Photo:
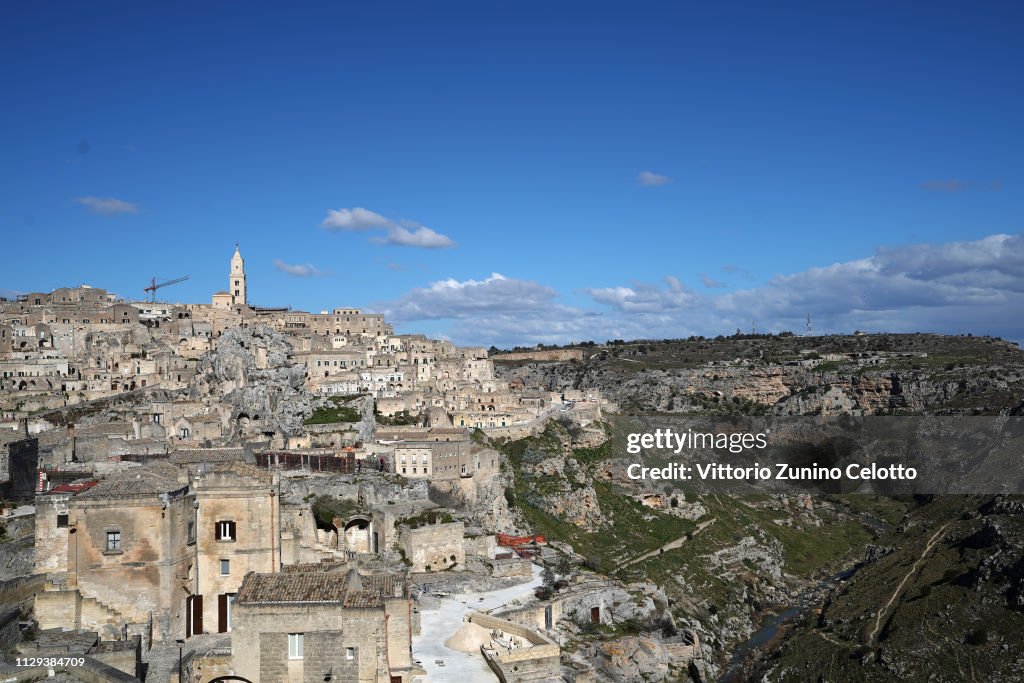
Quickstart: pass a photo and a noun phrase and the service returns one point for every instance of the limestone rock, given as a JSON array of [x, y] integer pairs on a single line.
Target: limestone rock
[[634, 658], [251, 370]]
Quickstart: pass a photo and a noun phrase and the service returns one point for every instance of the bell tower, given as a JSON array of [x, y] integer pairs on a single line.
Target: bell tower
[[237, 281]]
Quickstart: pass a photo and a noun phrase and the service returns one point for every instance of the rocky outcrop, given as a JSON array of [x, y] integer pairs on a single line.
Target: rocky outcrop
[[635, 658], [252, 372], [869, 383]]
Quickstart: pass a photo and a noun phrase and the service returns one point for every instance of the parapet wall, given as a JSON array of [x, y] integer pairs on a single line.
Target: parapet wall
[[542, 646]]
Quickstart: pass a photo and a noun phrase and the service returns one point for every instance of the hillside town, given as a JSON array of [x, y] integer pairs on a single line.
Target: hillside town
[[228, 492], [223, 491]]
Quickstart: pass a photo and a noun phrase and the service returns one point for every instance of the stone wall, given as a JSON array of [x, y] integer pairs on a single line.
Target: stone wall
[[513, 567], [539, 662], [249, 503], [482, 546], [130, 585], [9, 632], [434, 546], [51, 539], [260, 641], [20, 589]]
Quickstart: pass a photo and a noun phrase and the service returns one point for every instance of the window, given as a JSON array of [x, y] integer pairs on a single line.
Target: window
[[191, 532], [113, 541], [350, 653], [295, 646], [62, 521], [224, 531], [225, 567]]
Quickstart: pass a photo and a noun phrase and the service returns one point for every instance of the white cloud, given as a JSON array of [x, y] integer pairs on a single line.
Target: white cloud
[[646, 298], [650, 179], [412, 235], [951, 288], [298, 269], [107, 206], [354, 219], [954, 287], [403, 233], [454, 299]]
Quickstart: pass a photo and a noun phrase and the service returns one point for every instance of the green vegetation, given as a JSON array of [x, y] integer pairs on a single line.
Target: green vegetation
[[426, 519], [332, 414], [400, 419], [957, 577], [326, 508], [807, 549]]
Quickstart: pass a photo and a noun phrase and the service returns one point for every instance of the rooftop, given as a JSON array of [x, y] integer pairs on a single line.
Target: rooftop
[[189, 456], [131, 485], [352, 589], [291, 588]]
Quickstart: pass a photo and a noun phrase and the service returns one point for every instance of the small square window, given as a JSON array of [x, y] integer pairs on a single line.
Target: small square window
[[350, 653], [225, 567], [224, 531], [113, 541], [62, 521]]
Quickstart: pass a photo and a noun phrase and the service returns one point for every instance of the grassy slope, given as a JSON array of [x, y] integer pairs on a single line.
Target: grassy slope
[[943, 622], [685, 573]]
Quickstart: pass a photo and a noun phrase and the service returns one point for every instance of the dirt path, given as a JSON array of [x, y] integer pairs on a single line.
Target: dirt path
[[671, 545], [885, 608]]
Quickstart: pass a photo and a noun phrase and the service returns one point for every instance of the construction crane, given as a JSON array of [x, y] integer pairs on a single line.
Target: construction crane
[[154, 285]]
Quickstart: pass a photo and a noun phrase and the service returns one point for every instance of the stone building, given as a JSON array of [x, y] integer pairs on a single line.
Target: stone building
[[237, 531], [147, 549], [117, 553], [308, 627]]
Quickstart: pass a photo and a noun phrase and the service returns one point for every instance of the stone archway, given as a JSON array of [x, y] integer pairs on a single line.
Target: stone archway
[[357, 534]]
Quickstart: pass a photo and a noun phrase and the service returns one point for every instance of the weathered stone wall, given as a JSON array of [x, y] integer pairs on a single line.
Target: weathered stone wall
[[51, 540], [539, 662], [253, 507], [9, 632], [482, 546], [137, 581], [260, 641], [20, 589], [434, 546], [511, 567], [324, 652]]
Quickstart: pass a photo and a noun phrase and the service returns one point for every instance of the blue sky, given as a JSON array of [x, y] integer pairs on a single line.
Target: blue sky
[[627, 169]]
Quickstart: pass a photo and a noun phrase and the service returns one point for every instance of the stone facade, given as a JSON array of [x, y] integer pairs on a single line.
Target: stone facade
[[434, 547], [237, 531], [356, 628]]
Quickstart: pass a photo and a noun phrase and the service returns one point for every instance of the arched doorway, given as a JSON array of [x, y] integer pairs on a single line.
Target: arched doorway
[[358, 535]]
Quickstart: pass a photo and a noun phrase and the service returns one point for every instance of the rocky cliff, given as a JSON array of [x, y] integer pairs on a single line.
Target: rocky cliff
[[798, 376], [251, 371]]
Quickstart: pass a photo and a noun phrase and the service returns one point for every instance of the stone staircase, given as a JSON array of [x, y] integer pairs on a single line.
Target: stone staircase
[[103, 610]]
